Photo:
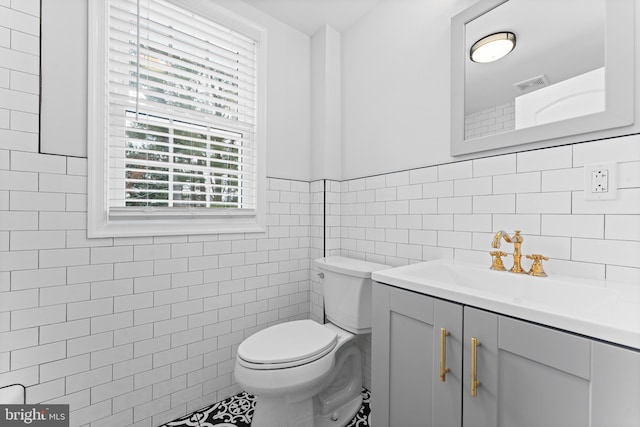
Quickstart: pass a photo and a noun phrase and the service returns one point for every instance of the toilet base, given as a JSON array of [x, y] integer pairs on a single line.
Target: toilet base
[[276, 412], [271, 412], [345, 414], [340, 397]]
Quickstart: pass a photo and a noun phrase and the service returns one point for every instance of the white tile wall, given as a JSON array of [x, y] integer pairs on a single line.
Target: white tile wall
[[490, 121], [455, 208], [109, 320], [133, 330], [539, 192]]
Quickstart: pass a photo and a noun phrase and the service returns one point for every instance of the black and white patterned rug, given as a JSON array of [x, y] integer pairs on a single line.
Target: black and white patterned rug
[[237, 411]]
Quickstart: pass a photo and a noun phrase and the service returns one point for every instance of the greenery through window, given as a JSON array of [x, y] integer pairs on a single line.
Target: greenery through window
[[169, 166], [177, 142]]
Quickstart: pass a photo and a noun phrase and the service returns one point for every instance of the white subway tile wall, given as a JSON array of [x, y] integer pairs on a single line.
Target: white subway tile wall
[[490, 121], [539, 192], [148, 325], [128, 331], [139, 331]]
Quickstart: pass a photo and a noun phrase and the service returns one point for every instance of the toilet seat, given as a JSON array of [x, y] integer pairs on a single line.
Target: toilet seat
[[287, 345]]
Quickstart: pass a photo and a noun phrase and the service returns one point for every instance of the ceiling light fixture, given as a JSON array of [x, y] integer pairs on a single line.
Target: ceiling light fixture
[[493, 47]]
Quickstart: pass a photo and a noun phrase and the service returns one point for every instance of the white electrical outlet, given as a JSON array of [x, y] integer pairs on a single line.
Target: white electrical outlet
[[600, 181]]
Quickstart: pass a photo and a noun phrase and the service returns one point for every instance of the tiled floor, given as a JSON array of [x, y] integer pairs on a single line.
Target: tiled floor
[[237, 411]]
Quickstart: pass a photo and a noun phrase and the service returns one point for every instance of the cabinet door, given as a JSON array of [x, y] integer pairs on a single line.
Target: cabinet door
[[615, 390], [406, 386], [530, 375]]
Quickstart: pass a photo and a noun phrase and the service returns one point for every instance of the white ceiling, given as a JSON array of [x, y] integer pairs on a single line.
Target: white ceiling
[[309, 16]]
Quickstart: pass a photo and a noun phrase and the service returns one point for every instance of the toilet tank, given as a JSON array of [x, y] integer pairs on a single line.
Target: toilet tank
[[347, 291]]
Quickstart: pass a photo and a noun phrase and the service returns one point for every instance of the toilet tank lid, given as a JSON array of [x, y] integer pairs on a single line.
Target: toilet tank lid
[[349, 266]]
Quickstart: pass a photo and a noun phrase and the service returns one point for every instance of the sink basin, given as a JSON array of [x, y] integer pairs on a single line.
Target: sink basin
[[605, 310], [563, 295]]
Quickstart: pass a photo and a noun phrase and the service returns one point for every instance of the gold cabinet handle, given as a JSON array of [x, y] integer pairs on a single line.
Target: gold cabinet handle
[[474, 367], [443, 354]]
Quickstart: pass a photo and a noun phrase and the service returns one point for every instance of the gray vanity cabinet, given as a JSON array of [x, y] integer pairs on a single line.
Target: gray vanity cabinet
[[615, 390], [406, 347], [528, 375], [532, 375]]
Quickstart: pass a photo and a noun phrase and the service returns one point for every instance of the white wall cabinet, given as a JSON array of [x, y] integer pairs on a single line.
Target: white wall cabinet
[[529, 375]]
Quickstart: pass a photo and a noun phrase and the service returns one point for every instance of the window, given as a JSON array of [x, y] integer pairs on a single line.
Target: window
[[176, 134]]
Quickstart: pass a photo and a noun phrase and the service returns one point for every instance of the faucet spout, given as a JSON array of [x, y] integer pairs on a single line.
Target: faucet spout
[[517, 240], [497, 238]]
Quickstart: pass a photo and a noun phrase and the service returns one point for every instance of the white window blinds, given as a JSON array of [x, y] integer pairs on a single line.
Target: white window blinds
[[181, 111]]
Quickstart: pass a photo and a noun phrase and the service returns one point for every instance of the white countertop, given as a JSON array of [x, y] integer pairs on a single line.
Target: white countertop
[[604, 310]]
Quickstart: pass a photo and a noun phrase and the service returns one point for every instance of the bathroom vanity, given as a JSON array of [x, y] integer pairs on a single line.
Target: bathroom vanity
[[540, 351]]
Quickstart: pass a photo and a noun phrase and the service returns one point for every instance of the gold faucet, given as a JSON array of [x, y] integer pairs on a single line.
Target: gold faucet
[[497, 263], [536, 267], [517, 242]]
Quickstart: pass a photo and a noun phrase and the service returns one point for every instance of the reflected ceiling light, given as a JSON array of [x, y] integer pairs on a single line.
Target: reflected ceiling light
[[493, 47]]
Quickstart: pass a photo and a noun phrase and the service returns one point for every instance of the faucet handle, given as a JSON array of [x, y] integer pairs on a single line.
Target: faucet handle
[[497, 260], [536, 267]]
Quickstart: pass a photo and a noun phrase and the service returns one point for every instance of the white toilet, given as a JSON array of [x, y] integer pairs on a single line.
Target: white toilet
[[307, 374]]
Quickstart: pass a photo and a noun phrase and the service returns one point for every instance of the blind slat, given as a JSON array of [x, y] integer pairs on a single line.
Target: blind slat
[[183, 22], [123, 58], [148, 106], [156, 169], [182, 110], [216, 146], [183, 93], [164, 47], [194, 118]]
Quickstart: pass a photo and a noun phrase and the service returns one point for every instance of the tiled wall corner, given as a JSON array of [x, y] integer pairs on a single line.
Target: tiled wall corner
[[325, 219], [317, 250], [332, 218]]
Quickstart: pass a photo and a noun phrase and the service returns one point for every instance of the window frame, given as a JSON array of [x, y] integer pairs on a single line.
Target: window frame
[[103, 221]]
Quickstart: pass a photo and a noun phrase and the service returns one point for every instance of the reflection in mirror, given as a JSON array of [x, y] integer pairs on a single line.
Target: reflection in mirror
[[555, 72], [571, 73]]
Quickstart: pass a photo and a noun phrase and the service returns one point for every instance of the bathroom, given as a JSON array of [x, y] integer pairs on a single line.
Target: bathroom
[[141, 330]]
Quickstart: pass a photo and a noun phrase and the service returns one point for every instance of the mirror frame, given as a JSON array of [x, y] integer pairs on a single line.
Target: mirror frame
[[619, 86]]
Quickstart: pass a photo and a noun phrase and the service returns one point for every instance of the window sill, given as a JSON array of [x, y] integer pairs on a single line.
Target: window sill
[[140, 224]]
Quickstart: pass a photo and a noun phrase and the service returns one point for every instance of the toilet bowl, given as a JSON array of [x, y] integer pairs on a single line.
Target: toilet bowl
[[288, 391], [307, 374]]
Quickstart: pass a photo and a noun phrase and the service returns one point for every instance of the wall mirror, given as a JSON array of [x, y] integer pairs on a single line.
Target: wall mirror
[[571, 72]]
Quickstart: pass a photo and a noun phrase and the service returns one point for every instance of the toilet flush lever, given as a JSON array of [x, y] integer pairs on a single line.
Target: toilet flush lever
[[321, 275]]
